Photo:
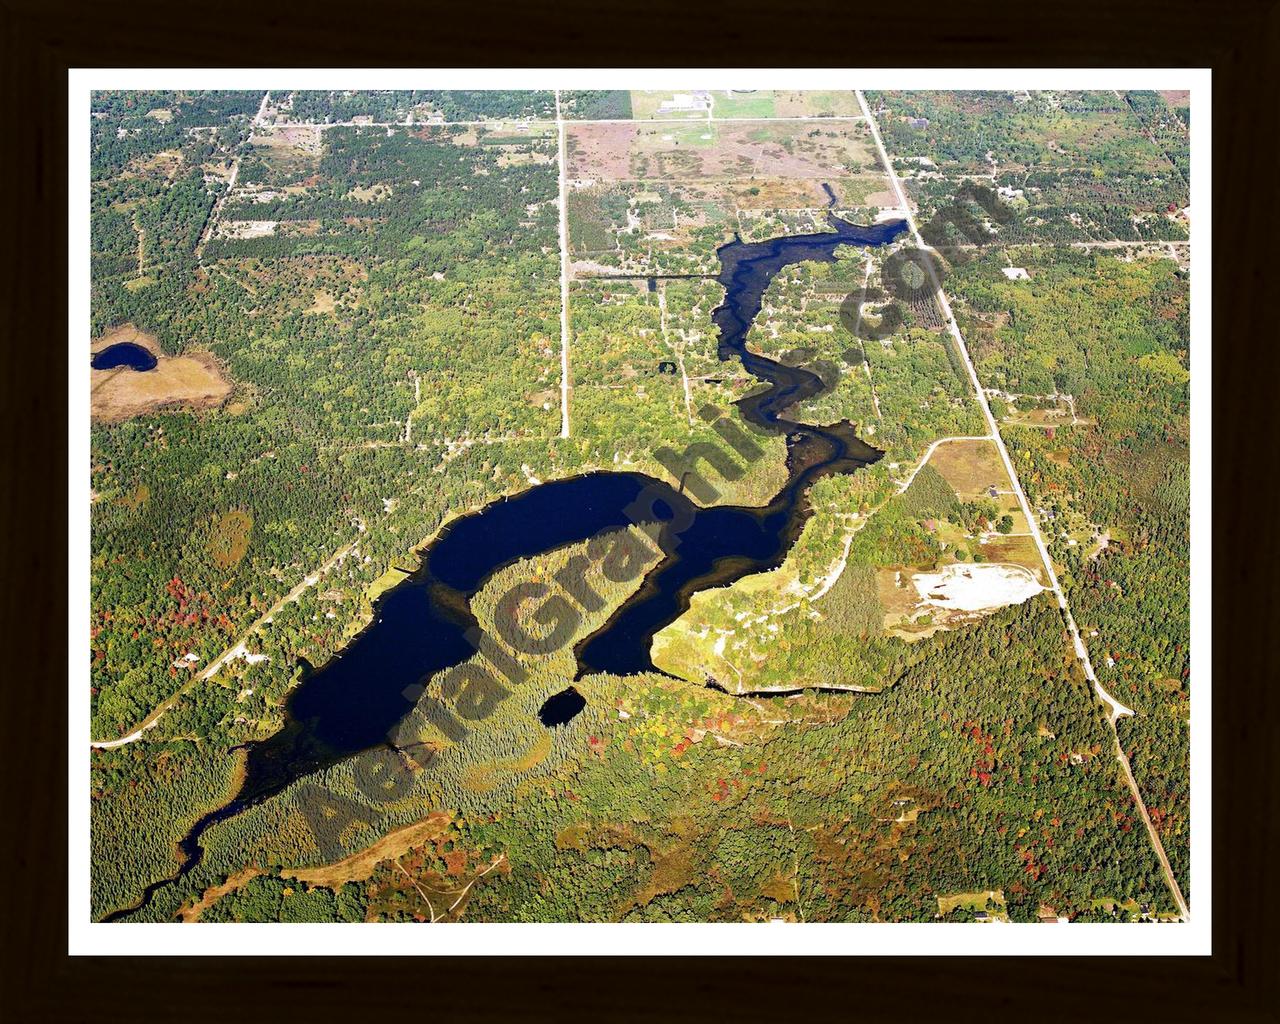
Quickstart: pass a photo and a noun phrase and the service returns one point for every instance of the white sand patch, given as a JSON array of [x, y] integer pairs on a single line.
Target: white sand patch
[[241, 651], [246, 228], [976, 588]]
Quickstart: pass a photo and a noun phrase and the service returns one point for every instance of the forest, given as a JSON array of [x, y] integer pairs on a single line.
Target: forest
[[665, 801], [1115, 491], [1070, 167]]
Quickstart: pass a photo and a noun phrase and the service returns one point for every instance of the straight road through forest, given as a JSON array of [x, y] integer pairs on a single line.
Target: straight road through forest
[[1115, 709]]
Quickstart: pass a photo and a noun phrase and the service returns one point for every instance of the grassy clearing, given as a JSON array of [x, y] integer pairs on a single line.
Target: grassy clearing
[[393, 577], [286, 154], [1016, 551], [191, 913], [192, 381], [837, 103], [972, 468], [230, 538], [991, 902], [360, 865], [730, 103]]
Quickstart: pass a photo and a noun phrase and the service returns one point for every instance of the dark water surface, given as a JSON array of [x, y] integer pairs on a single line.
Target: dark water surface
[[561, 707], [353, 702], [124, 353]]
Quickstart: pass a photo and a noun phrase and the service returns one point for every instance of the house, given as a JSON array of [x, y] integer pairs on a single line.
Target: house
[[918, 122]]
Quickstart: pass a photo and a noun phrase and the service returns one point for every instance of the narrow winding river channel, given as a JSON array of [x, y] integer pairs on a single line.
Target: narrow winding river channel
[[352, 703]]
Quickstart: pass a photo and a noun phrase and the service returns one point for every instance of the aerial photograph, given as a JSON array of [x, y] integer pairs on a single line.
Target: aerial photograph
[[606, 506]]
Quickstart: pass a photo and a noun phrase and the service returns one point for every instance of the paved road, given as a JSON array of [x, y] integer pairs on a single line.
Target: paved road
[[1115, 709], [564, 276]]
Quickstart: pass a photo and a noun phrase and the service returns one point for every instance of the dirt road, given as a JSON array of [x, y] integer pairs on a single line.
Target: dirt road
[[234, 651]]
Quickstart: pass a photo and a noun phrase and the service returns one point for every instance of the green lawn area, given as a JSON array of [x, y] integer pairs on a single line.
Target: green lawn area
[[753, 104]]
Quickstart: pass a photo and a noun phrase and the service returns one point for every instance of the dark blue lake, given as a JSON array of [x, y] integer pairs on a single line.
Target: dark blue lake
[[561, 708], [124, 353], [355, 701]]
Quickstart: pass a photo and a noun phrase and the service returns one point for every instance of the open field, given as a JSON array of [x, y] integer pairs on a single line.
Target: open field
[[190, 913], [165, 165], [651, 103], [286, 155], [700, 150], [179, 382], [991, 903], [815, 103], [972, 468], [693, 104], [659, 198], [360, 865]]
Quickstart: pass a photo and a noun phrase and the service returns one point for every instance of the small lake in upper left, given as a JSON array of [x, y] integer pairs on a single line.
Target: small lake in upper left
[[124, 353]]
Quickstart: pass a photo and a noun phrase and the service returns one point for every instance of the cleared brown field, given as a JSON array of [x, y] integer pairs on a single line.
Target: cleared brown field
[[761, 178], [191, 913], [896, 594], [289, 152], [324, 303], [1016, 551], [700, 151], [360, 866], [972, 468], [164, 164], [188, 382]]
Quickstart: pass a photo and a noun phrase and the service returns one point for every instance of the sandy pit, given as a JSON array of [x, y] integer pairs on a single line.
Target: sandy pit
[[975, 588]]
